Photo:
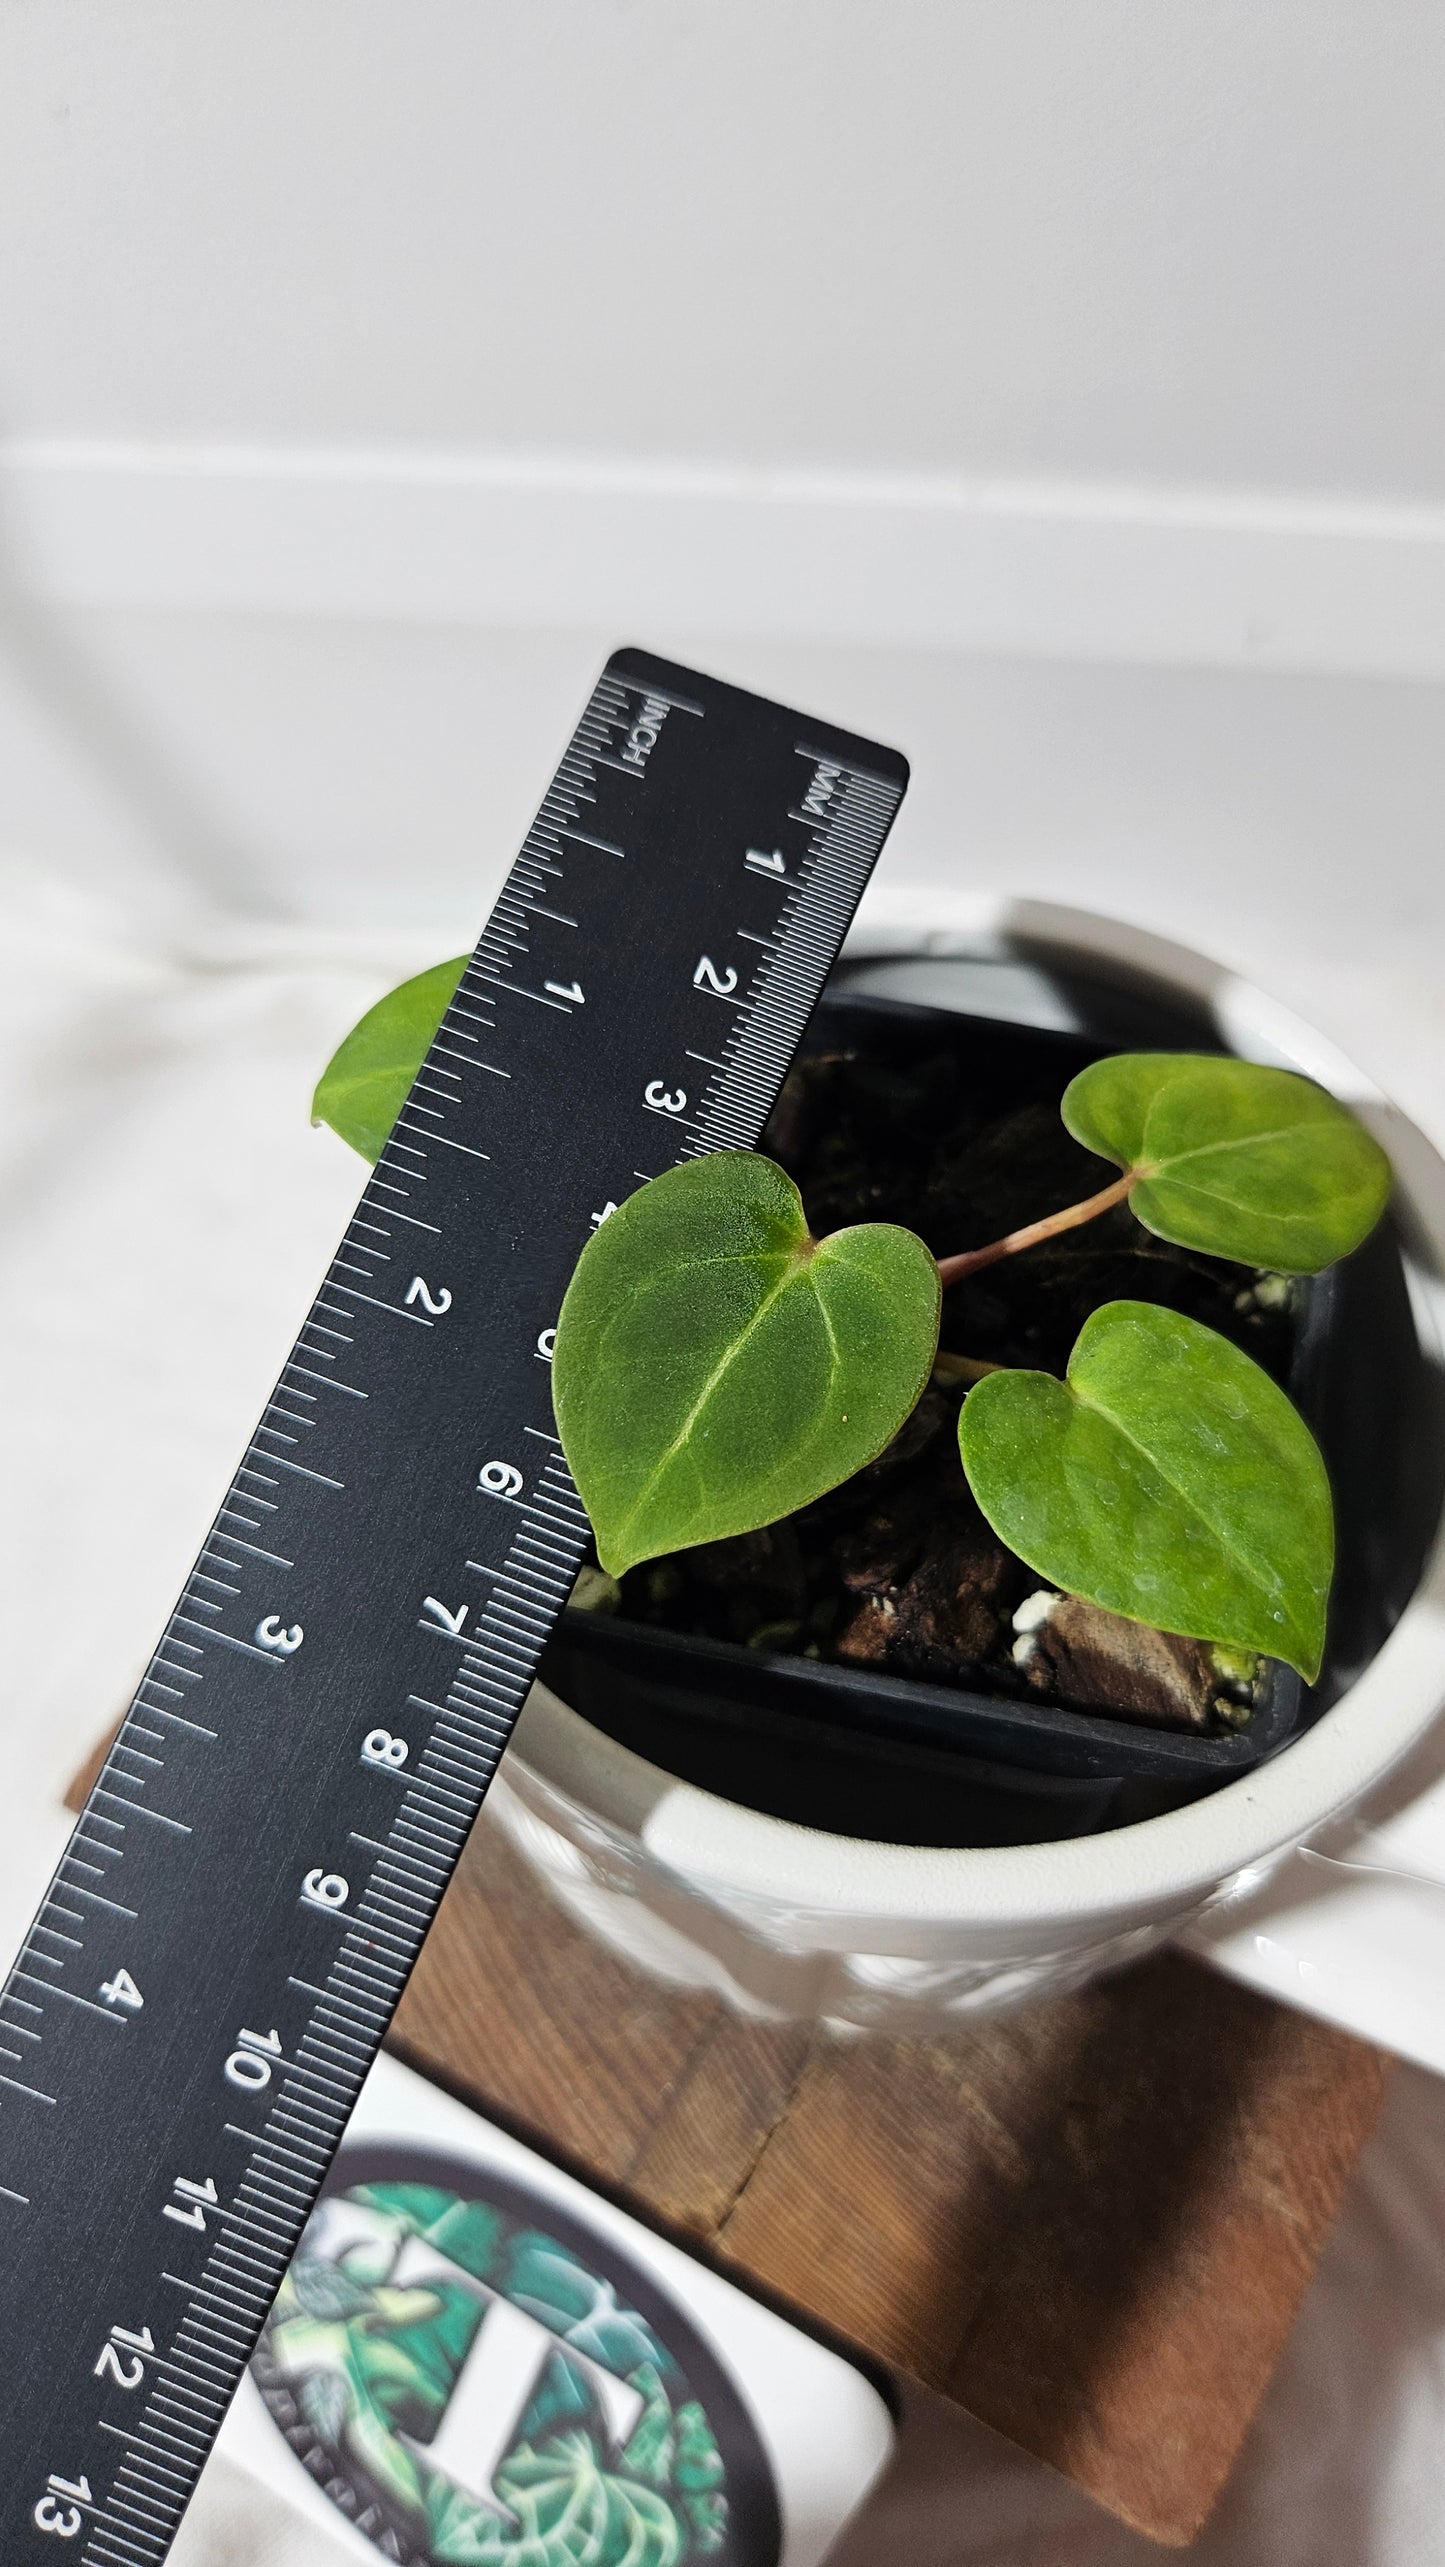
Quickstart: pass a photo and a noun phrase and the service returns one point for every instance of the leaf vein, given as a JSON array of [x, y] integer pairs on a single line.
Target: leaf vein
[[1235, 1141], [1265, 1587], [719, 1370], [1307, 1217]]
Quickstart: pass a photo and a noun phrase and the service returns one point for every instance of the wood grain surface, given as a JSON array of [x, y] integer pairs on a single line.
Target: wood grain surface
[[1091, 2222]]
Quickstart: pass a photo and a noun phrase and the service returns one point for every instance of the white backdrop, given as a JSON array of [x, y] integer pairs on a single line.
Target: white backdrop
[[1200, 246], [1053, 385]]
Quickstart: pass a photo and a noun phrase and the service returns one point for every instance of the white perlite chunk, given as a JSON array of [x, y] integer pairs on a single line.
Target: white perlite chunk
[[1028, 1621]]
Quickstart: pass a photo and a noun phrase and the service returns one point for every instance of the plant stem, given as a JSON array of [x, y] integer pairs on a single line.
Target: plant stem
[[969, 1261], [962, 1368]]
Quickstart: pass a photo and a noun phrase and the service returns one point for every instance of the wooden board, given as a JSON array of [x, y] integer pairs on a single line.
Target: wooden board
[[1090, 2222]]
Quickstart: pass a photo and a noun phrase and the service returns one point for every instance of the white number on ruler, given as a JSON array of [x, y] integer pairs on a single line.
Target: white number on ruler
[[662, 1099], [269, 1635], [547, 1342], [499, 1479], [122, 1990], [199, 2198], [63, 2519], [380, 1748], [251, 2062], [420, 1290], [756, 862], [597, 1220], [707, 976], [448, 1619], [326, 1890], [113, 2364], [566, 989]]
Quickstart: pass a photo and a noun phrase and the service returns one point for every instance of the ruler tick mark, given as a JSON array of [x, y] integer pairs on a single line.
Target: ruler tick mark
[[299, 1467], [76, 1891], [275, 1557], [605, 845], [158, 1816], [34, 2092], [432, 1227], [445, 1143], [267, 1656], [412, 1316]]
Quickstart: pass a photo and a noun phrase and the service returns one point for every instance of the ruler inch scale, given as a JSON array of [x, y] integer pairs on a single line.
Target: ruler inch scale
[[212, 1970]]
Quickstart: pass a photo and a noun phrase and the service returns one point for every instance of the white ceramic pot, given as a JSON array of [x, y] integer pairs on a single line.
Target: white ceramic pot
[[792, 1921]]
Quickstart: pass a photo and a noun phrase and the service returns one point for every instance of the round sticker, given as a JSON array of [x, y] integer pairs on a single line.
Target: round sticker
[[474, 2377]]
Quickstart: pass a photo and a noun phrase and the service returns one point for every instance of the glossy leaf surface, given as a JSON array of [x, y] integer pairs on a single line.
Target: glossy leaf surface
[[363, 1087], [1167, 1478], [1238, 1160], [716, 1367]]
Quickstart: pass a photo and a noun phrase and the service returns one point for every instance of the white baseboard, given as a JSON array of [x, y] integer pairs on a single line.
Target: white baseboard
[[1072, 572]]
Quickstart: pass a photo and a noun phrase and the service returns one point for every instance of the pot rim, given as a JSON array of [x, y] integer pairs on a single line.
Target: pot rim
[[739, 1855]]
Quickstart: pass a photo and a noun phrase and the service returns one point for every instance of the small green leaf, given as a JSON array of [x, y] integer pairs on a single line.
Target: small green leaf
[[1235, 1159], [716, 1367], [363, 1087], [1167, 1479]]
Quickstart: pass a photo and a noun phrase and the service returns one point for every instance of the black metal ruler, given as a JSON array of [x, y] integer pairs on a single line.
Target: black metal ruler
[[192, 2016]]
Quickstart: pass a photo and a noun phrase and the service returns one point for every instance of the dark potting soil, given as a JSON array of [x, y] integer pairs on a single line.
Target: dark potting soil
[[897, 1570]]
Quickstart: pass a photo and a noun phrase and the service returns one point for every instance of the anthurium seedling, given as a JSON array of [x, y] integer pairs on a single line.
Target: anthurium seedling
[[716, 1367]]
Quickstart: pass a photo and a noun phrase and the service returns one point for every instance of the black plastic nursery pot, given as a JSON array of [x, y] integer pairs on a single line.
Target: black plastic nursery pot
[[873, 1753]]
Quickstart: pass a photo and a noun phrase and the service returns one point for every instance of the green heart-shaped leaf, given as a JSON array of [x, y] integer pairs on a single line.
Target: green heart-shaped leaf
[[715, 1366], [1167, 1479], [363, 1087], [1235, 1159]]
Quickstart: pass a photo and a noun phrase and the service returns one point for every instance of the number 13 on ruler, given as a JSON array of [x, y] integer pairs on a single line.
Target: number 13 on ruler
[[60, 2509]]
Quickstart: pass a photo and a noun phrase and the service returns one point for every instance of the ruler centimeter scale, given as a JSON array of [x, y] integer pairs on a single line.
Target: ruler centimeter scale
[[221, 1950]]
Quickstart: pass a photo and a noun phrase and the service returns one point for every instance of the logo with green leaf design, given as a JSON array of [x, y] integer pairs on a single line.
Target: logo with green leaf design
[[476, 2380]]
